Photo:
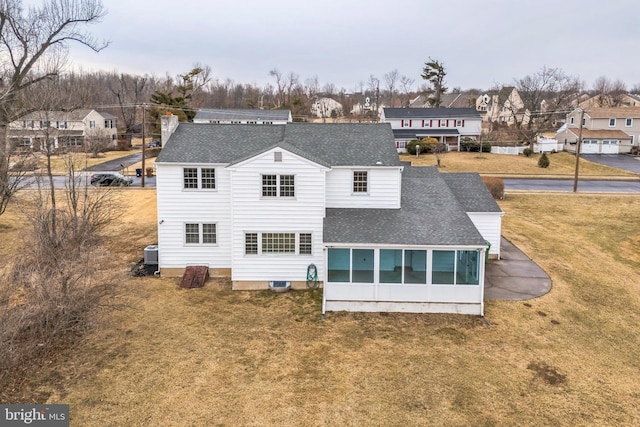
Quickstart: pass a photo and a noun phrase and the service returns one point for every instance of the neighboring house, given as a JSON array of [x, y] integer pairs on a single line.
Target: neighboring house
[[604, 130], [243, 116], [365, 105], [63, 129], [503, 106], [448, 100], [611, 101], [266, 203], [326, 108], [447, 125]]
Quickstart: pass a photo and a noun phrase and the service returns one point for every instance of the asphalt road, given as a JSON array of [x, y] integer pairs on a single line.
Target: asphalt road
[[60, 181], [566, 185]]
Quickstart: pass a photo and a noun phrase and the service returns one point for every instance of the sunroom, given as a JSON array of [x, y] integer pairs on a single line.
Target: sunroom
[[411, 279]]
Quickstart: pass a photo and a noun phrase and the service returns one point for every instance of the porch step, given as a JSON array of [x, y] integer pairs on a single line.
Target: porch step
[[194, 276]]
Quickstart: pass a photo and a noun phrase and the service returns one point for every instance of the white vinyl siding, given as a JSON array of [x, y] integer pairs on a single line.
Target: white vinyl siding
[[489, 225], [177, 207], [199, 178], [383, 189], [255, 215]]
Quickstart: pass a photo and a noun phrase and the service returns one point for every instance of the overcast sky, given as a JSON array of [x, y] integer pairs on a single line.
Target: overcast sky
[[481, 43]]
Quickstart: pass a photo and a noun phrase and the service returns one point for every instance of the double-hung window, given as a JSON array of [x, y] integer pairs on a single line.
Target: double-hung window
[[278, 186], [360, 182], [196, 233], [612, 123], [199, 178]]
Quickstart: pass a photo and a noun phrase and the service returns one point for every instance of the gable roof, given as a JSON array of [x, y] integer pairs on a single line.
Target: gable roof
[[334, 144], [74, 115], [613, 112], [430, 215], [241, 114], [431, 113], [599, 133]]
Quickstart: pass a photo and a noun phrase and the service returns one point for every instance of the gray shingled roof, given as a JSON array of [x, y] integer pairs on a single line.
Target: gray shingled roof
[[241, 114], [422, 113], [430, 215], [331, 144], [471, 192]]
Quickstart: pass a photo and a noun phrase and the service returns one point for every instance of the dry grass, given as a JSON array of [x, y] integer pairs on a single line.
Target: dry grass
[[84, 160], [212, 356], [562, 165]]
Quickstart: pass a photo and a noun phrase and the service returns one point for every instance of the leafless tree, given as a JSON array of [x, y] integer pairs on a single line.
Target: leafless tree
[[391, 79], [550, 85], [609, 93], [33, 45], [280, 86], [329, 89], [312, 87], [406, 83]]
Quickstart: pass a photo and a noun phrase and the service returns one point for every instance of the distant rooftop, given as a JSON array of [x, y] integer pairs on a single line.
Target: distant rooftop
[[206, 114]]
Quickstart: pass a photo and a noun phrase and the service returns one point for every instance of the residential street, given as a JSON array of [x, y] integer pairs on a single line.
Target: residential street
[[566, 185]]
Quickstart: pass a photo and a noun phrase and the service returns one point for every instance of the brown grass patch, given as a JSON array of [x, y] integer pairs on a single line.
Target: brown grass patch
[[562, 164], [213, 356]]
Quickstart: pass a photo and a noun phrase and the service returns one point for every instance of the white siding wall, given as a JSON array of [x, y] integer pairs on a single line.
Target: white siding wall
[[490, 226], [254, 214], [384, 188], [177, 206], [472, 126]]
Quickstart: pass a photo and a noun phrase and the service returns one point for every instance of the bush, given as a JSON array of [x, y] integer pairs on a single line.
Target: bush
[[495, 186], [427, 145], [472, 145], [152, 152], [543, 161], [527, 152]]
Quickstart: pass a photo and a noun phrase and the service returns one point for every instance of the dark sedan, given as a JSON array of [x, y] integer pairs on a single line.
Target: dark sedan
[[108, 179]]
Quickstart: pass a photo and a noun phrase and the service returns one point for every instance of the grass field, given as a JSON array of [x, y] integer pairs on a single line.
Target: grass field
[[213, 356], [562, 165]]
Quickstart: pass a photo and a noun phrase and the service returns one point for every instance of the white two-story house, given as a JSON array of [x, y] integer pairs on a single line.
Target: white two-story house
[[447, 125], [605, 130], [271, 203], [63, 129]]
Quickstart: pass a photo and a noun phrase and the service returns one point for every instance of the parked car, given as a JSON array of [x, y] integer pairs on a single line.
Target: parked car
[[106, 179], [154, 144]]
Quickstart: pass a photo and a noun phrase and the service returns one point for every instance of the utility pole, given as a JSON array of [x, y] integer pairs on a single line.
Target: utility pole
[[578, 146], [144, 114]]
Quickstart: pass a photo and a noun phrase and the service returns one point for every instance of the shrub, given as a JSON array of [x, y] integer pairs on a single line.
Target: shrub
[[543, 161], [495, 186], [527, 152], [152, 152], [427, 145], [468, 144]]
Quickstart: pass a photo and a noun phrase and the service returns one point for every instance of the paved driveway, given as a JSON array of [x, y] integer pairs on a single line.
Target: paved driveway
[[116, 165], [620, 161], [514, 276]]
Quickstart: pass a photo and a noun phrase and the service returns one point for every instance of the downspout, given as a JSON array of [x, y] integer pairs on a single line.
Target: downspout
[[326, 280]]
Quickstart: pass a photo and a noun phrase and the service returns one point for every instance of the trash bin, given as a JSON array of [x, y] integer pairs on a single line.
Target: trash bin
[[138, 172]]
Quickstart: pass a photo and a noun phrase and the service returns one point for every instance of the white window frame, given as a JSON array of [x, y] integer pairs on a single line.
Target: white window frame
[[278, 243], [92, 124], [278, 186], [628, 123], [356, 184], [199, 179], [199, 233], [612, 123]]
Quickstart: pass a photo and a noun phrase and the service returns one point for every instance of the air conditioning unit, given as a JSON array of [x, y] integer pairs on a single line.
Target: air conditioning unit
[[151, 255]]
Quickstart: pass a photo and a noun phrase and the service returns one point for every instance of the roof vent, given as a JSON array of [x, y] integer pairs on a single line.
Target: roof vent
[[277, 156], [378, 162]]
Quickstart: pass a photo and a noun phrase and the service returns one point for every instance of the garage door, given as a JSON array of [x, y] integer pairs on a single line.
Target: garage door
[[589, 146], [610, 146]]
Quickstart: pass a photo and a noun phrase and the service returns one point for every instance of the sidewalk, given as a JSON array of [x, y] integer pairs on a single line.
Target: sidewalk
[[514, 276]]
